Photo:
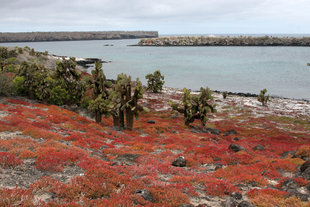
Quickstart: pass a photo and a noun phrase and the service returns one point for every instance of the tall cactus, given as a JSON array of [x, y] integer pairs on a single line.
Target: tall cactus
[[195, 107], [100, 103], [125, 103]]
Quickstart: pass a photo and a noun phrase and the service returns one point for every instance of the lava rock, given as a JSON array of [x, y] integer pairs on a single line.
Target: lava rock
[[290, 186], [288, 153], [230, 132], [146, 194], [236, 195], [305, 166], [212, 131], [151, 122], [235, 147], [179, 162], [186, 205], [303, 197], [245, 204], [230, 202], [306, 174], [258, 148]]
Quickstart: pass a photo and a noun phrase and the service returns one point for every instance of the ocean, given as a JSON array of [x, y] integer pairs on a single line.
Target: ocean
[[283, 71]]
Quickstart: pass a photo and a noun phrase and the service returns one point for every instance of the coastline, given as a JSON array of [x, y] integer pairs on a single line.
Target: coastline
[[266, 41], [74, 36]]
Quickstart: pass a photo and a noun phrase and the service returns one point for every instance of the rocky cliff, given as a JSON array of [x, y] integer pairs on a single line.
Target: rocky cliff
[[226, 41], [67, 36]]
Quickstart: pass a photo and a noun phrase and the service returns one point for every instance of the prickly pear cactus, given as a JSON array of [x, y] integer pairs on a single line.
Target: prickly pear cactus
[[195, 107], [101, 104], [69, 78], [263, 98], [125, 102], [155, 81]]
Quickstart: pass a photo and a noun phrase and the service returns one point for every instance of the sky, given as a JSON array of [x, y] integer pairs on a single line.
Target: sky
[[164, 16]]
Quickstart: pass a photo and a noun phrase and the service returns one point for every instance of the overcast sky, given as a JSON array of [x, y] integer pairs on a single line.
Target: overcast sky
[[165, 16]]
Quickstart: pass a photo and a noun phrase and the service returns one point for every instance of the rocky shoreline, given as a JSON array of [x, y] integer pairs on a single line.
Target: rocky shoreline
[[71, 36], [225, 41]]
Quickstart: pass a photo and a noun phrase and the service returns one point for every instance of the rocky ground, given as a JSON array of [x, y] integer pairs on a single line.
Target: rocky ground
[[249, 155]]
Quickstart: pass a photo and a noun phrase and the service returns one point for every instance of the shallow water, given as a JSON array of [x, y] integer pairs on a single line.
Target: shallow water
[[282, 70]]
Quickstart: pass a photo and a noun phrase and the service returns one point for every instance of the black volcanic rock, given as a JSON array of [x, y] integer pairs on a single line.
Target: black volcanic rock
[[179, 162], [235, 147]]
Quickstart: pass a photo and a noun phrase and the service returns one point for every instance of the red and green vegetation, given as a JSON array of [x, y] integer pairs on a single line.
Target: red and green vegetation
[[51, 156]]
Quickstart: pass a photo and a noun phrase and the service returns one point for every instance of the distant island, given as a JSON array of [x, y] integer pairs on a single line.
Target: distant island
[[70, 36], [225, 41]]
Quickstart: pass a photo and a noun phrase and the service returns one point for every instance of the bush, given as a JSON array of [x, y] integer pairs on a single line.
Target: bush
[[155, 81], [225, 93], [263, 98], [7, 85], [19, 85]]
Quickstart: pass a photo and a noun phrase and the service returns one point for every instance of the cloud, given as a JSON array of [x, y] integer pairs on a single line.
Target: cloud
[[200, 16]]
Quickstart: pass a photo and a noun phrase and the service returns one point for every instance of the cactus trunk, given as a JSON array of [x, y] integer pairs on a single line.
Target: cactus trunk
[[98, 117]]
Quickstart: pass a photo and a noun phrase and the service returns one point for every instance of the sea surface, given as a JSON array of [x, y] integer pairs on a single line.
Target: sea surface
[[283, 71]]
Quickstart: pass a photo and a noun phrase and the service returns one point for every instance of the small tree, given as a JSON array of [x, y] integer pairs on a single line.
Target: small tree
[[155, 81], [195, 107], [100, 104], [263, 98]]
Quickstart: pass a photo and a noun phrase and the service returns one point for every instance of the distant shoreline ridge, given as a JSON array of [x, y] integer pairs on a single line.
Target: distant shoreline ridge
[[74, 36], [212, 40]]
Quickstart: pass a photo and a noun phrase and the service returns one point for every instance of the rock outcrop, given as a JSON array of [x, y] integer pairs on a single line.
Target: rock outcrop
[[226, 41]]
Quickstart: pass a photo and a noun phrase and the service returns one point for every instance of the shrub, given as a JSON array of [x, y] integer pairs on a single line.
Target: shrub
[[263, 98], [155, 81], [7, 84], [224, 94], [69, 79], [8, 160], [303, 151]]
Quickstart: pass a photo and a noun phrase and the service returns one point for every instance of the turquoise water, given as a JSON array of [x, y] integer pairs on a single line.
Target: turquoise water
[[282, 70]]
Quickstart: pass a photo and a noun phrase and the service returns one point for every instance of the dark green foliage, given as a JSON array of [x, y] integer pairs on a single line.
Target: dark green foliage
[[225, 94], [7, 85], [155, 81], [7, 58], [100, 103], [4, 53], [263, 98], [37, 82], [196, 107], [69, 79], [33, 75], [124, 102]]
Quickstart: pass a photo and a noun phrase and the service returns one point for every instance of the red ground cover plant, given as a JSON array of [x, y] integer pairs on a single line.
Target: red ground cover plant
[[8, 160], [55, 161], [56, 139]]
